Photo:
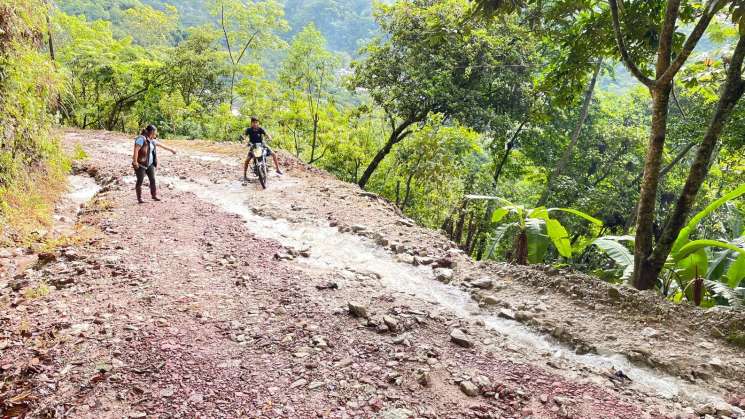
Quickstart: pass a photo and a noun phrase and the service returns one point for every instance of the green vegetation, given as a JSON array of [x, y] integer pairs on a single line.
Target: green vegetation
[[31, 162], [446, 100]]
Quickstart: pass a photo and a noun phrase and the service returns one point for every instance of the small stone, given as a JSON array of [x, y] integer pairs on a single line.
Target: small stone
[[460, 338], [391, 322], [137, 415], [649, 332], [315, 384], [490, 300], [299, 383], [469, 389], [405, 258], [397, 414], [705, 409], [424, 379], [443, 274], [357, 310], [358, 228], [483, 283], [506, 313], [482, 381]]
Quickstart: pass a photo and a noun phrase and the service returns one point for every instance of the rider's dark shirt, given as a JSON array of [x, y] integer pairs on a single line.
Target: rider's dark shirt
[[255, 136]]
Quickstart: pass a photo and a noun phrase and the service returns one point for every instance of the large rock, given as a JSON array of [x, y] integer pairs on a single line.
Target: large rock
[[357, 310], [469, 389], [483, 283], [460, 338], [443, 275], [391, 322], [506, 313]]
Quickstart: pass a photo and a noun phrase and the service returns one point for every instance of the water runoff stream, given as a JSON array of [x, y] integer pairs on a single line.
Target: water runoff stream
[[331, 249]]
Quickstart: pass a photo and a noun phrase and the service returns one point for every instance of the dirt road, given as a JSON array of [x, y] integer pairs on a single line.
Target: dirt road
[[316, 299]]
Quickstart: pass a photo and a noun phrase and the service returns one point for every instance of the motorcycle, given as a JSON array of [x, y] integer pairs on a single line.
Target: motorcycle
[[259, 163]]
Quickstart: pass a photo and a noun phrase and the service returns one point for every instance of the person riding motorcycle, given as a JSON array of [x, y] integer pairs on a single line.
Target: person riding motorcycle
[[256, 134]]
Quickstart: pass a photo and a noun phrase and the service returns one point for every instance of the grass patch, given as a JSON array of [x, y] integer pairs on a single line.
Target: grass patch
[[39, 291], [737, 339]]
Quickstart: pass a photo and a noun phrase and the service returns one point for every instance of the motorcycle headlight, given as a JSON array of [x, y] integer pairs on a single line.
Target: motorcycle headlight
[[257, 152]]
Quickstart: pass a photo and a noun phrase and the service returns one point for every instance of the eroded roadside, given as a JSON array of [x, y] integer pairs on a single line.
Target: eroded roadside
[[208, 320]]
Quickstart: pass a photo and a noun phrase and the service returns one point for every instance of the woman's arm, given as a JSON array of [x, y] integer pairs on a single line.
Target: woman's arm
[[134, 157], [165, 147]]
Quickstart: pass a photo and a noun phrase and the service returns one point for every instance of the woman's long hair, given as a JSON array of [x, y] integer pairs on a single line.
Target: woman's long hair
[[148, 130]]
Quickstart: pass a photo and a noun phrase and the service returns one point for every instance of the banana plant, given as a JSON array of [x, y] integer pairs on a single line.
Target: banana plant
[[693, 266], [534, 228]]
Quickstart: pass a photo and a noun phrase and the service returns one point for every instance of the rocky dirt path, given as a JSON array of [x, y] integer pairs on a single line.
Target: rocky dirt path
[[315, 299]]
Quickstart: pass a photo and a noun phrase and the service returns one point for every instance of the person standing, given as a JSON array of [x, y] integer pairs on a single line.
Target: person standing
[[145, 160]]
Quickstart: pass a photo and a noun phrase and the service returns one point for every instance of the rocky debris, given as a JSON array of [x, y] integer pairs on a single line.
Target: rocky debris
[[406, 222], [391, 323], [405, 258], [328, 286], [357, 228], [423, 378], [489, 300], [399, 413], [460, 338], [649, 332], [469, 389], [506, 313], [614, 293], [357, 310], [483, 283], [443, 274]]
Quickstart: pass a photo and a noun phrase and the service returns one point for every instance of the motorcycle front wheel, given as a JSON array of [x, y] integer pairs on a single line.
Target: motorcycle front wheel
[[261, 173]]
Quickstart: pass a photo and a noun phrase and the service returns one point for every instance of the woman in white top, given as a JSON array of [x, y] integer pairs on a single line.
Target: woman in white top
[[145, 160]]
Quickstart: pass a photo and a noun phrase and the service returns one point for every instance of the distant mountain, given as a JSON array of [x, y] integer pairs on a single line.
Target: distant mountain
[[344, 23]]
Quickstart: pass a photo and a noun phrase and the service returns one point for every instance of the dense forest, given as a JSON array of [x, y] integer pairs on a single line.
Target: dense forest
[[495, 122]]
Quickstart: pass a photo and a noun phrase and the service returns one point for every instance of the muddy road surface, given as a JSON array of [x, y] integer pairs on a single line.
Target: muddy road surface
[[314, 298]]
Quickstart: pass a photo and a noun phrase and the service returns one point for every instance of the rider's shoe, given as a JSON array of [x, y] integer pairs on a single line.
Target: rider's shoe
[[279, 172]]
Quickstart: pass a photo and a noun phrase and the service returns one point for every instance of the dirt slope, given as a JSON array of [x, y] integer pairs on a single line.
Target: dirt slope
[[228, 301]]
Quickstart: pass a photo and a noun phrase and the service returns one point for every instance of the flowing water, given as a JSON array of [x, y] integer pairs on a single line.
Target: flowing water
[[330, 249], [81, 190]]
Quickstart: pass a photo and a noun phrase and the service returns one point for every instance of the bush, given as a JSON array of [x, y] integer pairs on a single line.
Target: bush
[[32, 164]]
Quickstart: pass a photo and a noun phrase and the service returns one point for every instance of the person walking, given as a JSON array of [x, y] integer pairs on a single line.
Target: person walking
[[145, 160]]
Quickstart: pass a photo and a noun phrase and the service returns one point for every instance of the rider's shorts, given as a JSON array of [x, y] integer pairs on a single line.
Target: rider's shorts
[[250, 155]]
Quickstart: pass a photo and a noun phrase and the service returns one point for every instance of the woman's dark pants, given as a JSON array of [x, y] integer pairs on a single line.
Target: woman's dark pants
[[141, 172]]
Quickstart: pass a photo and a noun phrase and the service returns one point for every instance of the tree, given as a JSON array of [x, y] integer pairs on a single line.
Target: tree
[[632, 26], [248, 27], [429, 61], [309, 72], [150, 27]]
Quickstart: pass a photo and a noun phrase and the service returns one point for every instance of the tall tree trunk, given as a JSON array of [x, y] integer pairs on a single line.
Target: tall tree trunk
[[315, 138], [458, 233], [732, 91], [566, 157], [397, 135], [644, 277]]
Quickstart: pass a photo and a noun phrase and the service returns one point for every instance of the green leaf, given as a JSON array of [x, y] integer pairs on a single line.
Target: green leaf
[[693, 266], [697, 245], [618, 252], [538, 242], [685, 233], [736, 272], [499, 214], [560, 237], [579, 214]]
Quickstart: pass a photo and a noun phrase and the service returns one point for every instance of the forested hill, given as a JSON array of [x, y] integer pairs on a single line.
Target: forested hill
[[344, 23]]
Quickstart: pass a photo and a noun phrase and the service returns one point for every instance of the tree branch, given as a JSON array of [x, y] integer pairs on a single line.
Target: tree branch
[[245, 47], [225, 31], [712, 7], [622, 48]]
